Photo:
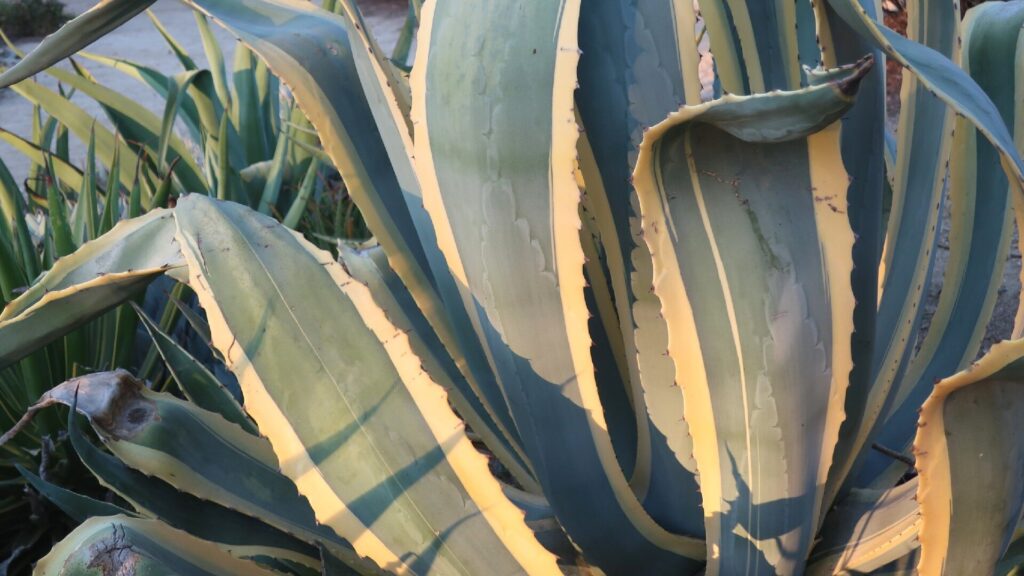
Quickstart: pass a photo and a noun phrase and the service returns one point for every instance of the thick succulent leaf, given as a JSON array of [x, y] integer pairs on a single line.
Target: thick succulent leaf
[[940, 75], [96, 22], [752, 258], [100, 275], [611, 370], [390, 86], [505, 205], [318, 67], [868, 529], [370, 267], [863, 141], [1012, 561], [970, 457], [120, 544], [236, 532], [983, 203], [758, 43], [197, 452], [196, 381], [321, 66], [648, 49], [903, 566], [421, 496], [918, 177]]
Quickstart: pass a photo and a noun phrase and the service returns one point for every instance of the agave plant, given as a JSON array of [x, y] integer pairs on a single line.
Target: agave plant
[[64, 205], [680, 327]]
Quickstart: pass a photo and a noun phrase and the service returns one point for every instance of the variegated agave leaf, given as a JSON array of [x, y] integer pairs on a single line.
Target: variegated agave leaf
[[429, 497], [744, 210], [543, 287], [108, 544], [971, 463], [103, 274], [984, 205], [422, 497]]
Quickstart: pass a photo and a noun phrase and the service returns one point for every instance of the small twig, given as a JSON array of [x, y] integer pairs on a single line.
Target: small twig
[[894, 454], [44, 457], [26, 420]]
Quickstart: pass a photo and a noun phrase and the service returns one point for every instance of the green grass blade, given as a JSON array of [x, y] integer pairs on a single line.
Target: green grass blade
[[215, 56], [179, 51], [301, 202]]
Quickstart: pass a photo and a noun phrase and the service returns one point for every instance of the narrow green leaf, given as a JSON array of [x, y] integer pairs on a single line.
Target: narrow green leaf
[[155, 80], [199, 385], [95, 23], [68, 175], [80, 508], [112, 200], [179, 52], [63, 239], [157, 499], [135, 122], [215, 57], [301, 203], [275, 173], [88, 203], [246, 110]]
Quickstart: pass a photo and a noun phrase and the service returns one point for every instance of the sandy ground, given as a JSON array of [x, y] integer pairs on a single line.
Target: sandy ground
[[139, 41]]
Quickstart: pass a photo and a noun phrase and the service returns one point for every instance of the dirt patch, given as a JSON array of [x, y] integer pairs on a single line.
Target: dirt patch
[[114, 556], [137, 40]]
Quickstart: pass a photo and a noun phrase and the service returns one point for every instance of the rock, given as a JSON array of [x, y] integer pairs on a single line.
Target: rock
[[7, 58]]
